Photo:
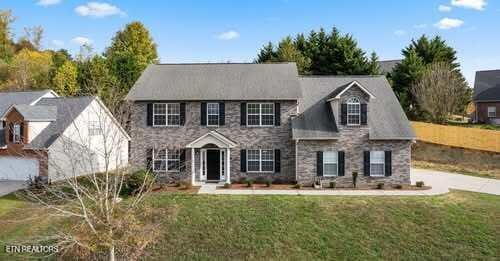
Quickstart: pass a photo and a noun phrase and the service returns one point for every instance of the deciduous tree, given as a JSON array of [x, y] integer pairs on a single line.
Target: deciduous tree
[[65, 80]]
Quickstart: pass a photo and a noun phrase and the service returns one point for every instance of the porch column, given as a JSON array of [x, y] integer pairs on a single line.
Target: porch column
[[193, 171], [228, 166]]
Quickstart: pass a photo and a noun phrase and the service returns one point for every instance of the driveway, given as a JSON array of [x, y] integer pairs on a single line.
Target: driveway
[[445, 181], [7, 187]]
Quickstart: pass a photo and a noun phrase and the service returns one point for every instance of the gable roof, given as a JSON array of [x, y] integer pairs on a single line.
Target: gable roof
[[34, 113], [68, 108], [8, 99], [339, 91], [487, 86], [386, 118], [228, 81]]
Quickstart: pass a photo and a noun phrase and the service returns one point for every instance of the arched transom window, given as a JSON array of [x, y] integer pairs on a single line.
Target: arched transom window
[[353, 111]]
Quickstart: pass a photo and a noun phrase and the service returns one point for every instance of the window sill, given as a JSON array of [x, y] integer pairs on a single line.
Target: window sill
[[166, 126], [261, 126], [377, 176], [261, 172]]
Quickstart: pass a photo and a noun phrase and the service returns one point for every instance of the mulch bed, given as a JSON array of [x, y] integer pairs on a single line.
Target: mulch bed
[[175, 188], [291, 187]]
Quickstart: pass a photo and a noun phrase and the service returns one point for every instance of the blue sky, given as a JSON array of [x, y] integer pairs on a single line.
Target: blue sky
[[233, 30]]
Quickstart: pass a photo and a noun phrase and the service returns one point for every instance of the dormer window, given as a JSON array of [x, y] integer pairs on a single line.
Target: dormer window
[[16, 131], [353, 111]]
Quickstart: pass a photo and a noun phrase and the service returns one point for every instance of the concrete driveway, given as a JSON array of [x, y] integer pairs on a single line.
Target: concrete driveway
[[444, 181], [7, 187]]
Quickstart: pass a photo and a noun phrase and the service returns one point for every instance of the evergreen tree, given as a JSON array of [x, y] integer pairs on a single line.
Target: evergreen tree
[[266, 54], [287, 52], [131, 51]]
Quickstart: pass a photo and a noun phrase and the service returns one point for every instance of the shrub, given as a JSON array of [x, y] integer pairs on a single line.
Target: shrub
[[185, 185], [269, 183], [420, 184], [260, 180], [297, 186], [227, 185], [333, 184], [278, 181], [133, 182], [380, 185], [354, 178], [242, 181], [398, 186], [249, 183]]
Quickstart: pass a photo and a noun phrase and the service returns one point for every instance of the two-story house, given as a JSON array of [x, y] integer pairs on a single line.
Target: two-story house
[[487, 97], [226, 122], [54, 138]]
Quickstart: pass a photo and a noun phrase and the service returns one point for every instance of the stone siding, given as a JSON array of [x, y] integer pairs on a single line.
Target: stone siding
[[276, 137]]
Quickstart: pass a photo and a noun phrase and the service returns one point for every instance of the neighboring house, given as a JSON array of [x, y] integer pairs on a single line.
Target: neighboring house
[[56, 137], [487, 97], [227, 122]]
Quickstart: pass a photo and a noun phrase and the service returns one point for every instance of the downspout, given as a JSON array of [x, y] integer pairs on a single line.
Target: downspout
[[296, 159]]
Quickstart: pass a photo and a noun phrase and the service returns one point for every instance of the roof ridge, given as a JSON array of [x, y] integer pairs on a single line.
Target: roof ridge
[[222, 63], [492, 70], [26, 91], [342, 76]]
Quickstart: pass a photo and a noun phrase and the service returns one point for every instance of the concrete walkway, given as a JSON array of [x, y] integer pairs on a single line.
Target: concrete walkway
[[441, 182]]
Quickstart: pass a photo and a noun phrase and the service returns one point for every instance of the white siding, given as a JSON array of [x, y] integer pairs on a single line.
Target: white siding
[[35, 128]]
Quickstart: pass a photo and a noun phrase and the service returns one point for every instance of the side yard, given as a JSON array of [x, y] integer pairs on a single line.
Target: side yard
[[459, 224]]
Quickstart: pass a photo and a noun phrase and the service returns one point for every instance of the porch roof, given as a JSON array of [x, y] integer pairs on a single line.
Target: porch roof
[[212, 137]]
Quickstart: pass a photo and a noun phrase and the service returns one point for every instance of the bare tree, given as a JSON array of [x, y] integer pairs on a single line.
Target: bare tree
[[88, 171], [440, 91]]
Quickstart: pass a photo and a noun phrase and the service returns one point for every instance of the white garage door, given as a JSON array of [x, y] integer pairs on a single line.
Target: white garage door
[[13, 168]]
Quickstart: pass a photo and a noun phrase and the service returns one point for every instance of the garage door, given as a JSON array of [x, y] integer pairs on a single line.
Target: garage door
[[14, 168]]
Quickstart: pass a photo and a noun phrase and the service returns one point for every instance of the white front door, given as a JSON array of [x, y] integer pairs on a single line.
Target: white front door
[[16, 168]]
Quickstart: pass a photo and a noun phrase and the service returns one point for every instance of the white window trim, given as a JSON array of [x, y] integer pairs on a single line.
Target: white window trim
[[166, 162], [17, 138], [352, 103], [492, 113], [261, 114], [94, 128], [166, 115], [260, 162], [218, 114], [383, 164], [337, 163]]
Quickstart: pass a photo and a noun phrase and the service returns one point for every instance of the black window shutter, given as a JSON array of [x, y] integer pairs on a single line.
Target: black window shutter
[[243, 160], [222, 113], [243, 116], [364, 114], [277, 161], [11, 132], [203, 114], [319, 163], [277, 114], [366, 158], [388, 163], [150, 114], [341, 158], [343, 114], [182, 160], [182, 119], [149, 159]]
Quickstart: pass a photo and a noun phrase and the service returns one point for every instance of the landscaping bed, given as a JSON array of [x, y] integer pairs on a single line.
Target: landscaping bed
[[294, 187]]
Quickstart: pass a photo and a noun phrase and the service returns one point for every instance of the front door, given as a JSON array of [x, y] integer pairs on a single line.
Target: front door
[[213, 165]]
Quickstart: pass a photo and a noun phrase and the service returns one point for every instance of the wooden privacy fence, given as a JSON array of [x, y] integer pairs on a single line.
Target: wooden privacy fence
[[470, 138]]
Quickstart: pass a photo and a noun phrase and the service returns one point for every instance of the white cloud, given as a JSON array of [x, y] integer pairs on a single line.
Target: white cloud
[[48, 2], [80, 40], [420, 26], [97, 9], [229, 35], [57, 43], [400, 32], [448, 23], [471, 4], [444, 8]]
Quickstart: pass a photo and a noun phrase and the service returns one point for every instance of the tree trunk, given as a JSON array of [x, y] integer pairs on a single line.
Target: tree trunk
[[112, 253]]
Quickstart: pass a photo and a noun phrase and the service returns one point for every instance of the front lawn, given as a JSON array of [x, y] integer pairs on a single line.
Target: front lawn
[[459, 225]]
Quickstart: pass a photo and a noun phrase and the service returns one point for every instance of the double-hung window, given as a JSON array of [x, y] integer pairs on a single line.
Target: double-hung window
[[260, 114], [492, 112], [95, 128], [260, 160], [353, 111], [166, 114], [330, 163], [212, 114], [166, 160], [377, 163], [16, 133]]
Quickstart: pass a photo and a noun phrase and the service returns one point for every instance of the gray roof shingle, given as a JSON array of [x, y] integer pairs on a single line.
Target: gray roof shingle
[[229, 81], [68, 108], [487, 86], [388, 65], [37, 113], [8, 99], [386, 118]]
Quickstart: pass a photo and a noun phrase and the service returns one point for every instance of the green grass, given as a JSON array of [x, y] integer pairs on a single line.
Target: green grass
[[471, 125], [459, 225]]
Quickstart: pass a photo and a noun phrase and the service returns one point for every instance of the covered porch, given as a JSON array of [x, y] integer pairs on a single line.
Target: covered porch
[[211, 158]]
